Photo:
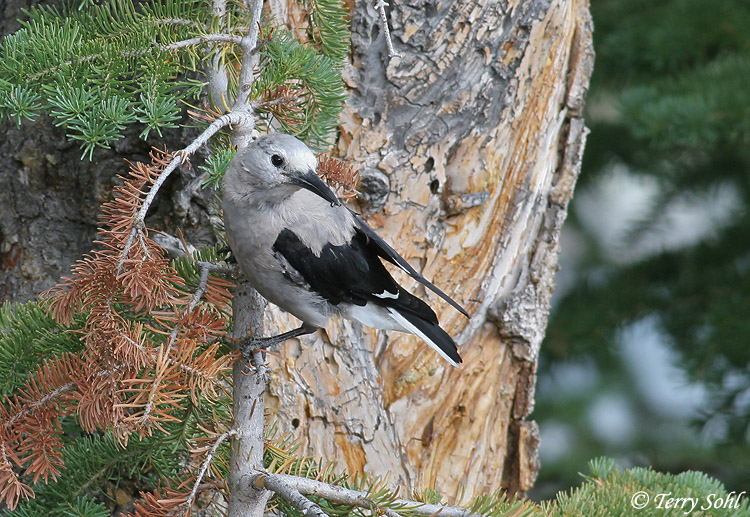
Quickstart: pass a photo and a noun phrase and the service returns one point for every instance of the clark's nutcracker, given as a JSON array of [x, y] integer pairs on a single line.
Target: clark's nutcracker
[[307, 253]]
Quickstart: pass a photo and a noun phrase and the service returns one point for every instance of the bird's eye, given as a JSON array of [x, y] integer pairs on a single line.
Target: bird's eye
[[277, 160]]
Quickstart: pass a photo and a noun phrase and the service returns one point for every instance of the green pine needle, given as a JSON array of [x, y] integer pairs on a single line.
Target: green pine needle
[[288, 62], [216, 165], [28, 337], [330, 22], [19, 103]]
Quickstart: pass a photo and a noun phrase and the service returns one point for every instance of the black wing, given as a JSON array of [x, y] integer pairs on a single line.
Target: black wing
[[383, 249], [351, 273]]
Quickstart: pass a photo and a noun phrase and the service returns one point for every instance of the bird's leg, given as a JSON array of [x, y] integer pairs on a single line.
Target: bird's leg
[[250, 345]]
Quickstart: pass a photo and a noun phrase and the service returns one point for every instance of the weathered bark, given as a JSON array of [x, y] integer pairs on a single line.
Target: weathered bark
[[50, 201], [482, 108]]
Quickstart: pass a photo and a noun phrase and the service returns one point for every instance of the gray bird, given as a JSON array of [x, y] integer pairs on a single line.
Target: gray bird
[[302, 250]]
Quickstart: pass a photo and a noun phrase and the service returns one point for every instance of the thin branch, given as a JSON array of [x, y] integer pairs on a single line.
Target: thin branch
[[30, 408], [275, 102], [197, 295], [249, 54], [207, 38], [154, 353], [205, 267], [204, 468], [380, 6], [239, 117], [200, 290], [290, 494], [342, 495], [175, 247], [177, 21]]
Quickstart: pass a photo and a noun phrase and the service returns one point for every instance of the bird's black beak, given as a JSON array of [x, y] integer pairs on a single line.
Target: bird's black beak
[[314, 184]]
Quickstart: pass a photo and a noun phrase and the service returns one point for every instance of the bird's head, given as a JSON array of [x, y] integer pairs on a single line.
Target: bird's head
[[276, 166]]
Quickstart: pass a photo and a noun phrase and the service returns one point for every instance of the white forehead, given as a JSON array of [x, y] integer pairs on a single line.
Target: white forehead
[[295, 152]]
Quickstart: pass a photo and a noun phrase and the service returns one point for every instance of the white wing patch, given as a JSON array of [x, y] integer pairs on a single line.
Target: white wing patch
[[387, 294]]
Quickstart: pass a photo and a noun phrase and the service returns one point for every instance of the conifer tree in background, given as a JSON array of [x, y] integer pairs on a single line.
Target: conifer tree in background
[[669, 102]]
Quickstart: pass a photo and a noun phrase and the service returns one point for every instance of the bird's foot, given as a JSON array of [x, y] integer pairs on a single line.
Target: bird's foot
[[262, 372], [256, 344]]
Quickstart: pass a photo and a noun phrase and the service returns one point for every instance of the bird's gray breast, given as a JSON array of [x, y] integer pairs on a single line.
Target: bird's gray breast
[[316, 222], [253, 229]]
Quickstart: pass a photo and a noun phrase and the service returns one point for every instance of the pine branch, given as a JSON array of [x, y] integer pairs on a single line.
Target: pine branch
[[212, 367], [115, 353], [13, 490], [290, 494], [52, 382], [380, 5], [198, 40], [242, 117], [330, 21], [202, 472], [314, 79], [286, 483], [25, 324]]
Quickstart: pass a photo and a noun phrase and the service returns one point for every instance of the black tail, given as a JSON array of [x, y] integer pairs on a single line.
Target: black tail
[[432, 334]]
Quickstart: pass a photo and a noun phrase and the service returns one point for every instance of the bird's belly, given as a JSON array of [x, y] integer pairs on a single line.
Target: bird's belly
[[305, 305]]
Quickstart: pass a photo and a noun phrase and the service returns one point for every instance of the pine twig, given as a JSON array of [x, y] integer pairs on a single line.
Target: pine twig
[[178, 21], [358, 498], [204, 468], [30, 408], [206, 38], [205, 268], [238, 117], [380, 5], [290, 494]]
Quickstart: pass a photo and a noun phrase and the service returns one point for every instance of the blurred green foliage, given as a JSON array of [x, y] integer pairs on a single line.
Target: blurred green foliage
[[670, 102]]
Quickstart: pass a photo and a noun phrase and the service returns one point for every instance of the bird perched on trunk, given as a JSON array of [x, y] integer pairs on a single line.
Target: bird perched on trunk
[[310, 255]]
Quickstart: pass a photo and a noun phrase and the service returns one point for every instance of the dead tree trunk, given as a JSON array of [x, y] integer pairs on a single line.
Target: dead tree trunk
[[469, 146]]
